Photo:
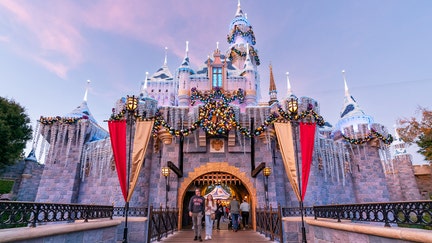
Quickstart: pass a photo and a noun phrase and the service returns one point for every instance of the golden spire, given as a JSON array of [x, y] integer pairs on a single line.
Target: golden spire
[[272, 82]]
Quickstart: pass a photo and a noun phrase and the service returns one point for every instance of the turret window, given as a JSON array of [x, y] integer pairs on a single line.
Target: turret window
[[217, 77]]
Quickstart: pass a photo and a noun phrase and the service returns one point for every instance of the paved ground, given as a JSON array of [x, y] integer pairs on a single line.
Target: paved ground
[[222, 236]]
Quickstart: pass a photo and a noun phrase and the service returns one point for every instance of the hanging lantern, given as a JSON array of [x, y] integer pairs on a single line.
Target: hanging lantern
[[293, 104], [131, 103]]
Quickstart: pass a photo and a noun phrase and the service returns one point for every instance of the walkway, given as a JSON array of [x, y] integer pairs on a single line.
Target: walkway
[[222, 236]]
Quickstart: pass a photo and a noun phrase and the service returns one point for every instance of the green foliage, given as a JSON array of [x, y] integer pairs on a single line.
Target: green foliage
[[15, 131], [6, 186], [418, 131]]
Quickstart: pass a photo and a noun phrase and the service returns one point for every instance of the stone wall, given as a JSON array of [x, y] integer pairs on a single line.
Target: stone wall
[[370, 184], [31, 177], [408, 185], [13, 173], [423, 176], [60, 180], [26, 175]]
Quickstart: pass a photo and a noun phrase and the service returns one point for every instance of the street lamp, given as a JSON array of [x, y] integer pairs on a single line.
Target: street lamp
[[131, 107], [267, 172], [166, 172], [293, 108]]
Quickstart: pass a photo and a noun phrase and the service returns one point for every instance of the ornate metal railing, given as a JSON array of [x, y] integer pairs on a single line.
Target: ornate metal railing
[[162, 221], [408, 213], [13, 213], [295, 212], [132, 212], [269, 222]]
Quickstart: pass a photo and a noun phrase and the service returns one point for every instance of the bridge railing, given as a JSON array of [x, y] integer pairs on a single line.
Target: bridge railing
[[269, 222], [414, 214], [295, 212], [162, 221], [18, 214], [132, 212]]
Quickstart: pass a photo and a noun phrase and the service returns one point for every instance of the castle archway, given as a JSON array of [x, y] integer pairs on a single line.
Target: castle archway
[[208, 174]]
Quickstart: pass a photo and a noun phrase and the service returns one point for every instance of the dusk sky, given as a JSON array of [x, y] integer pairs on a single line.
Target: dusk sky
[[49, 49]]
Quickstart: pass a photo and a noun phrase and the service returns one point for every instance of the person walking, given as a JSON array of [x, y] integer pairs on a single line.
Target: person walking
[[219, 212], [244, 209], [234, 207], [196, 211], [210, 208]]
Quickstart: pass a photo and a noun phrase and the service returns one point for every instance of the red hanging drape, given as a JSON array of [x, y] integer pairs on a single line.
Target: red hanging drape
[[307, 138], [117, 130]]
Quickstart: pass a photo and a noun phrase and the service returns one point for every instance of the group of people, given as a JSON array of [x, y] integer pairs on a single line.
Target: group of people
[[214, 211]]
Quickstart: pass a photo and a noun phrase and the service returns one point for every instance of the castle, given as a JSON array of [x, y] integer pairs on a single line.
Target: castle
[[212, 132]]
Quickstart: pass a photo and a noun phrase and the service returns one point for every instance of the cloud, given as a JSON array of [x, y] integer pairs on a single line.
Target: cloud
[[4, 39], [58, 35], [45, 33]]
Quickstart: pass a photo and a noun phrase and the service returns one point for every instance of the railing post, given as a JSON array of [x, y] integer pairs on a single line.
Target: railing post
[[280, 223], [86, 209], [338, 210], [386, 221], [35, 216], [271, 223], [150, 224]]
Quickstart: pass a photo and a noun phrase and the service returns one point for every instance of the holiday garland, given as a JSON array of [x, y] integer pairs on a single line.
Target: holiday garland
[[216, 117], [236, 31], [217, 93], [308, 113], [60, 120], [252, 52], [373, 134]]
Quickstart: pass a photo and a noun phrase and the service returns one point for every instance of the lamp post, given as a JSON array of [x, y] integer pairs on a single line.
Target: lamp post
[[293, 108], [131, 107], [267, 172], [166, 172]]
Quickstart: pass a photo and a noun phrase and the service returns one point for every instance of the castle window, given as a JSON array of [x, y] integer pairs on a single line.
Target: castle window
[[217, 77]]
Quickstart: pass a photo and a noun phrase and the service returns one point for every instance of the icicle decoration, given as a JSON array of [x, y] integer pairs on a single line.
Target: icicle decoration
[[59, 143], [43, 142], [82, 128], [52, 144], [69, 136]]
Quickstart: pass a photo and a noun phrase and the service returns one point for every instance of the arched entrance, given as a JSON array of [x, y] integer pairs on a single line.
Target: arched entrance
[[209, 175]]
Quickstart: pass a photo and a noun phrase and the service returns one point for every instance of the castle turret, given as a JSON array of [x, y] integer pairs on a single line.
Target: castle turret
[[355, 124], [184, 73], [161, 85], [403, 171], [251, 82], [272, 88], [64, 137], [353, 121]]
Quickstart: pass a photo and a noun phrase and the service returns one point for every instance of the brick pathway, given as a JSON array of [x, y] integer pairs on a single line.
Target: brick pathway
[[222, 236]]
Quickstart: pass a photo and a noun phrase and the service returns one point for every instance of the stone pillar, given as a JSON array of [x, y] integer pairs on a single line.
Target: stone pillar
[[408, 185]]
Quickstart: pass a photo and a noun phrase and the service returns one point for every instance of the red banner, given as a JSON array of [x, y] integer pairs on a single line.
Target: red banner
[[117, 131], [307, 138]]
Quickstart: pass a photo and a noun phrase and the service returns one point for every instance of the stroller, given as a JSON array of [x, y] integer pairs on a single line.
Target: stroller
[[230, 225]]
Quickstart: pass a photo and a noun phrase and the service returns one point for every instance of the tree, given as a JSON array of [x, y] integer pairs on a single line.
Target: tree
[[420, 132], [15, 131]]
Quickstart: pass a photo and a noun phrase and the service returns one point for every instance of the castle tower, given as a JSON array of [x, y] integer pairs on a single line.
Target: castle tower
[[184, 73], [272, 88], [64, 139], [243, 55], [403, 170], [249, 72], [369, 180], [217, 71], [161, 85]]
